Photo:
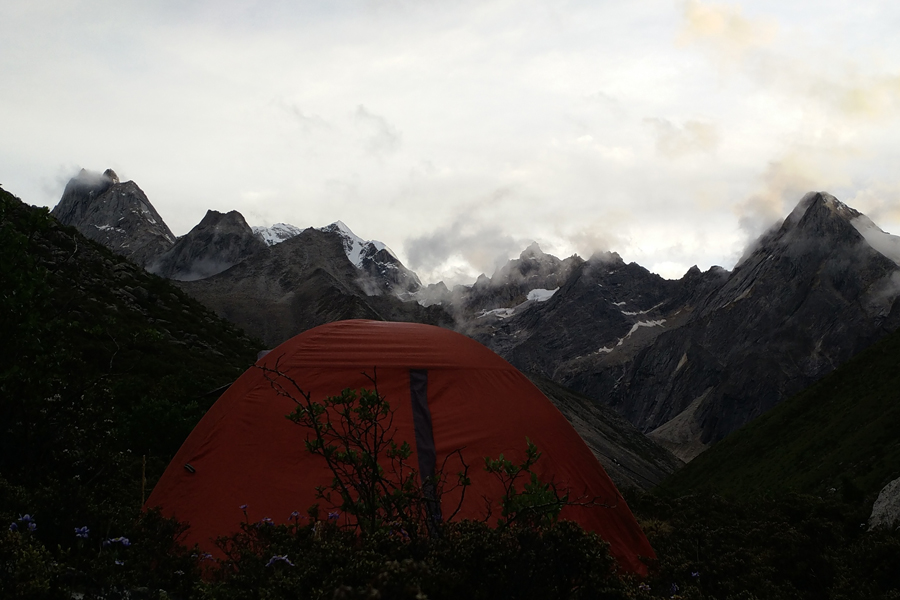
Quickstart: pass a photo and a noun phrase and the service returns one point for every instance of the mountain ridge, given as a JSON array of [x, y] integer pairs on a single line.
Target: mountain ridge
[[687, 361]]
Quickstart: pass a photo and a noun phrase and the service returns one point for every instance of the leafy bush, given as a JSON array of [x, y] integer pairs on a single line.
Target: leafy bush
[[319, 559]]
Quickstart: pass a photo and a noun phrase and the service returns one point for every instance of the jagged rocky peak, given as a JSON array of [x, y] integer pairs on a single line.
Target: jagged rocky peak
[[606, 257], [692, 273], [217, 243], [76, 197], [819, 204], [118, 215], [382, 270], [532, 263], [355, 246], [482, 281], [434, 293], [534, 276], [232, 219], [532, 251], [820, 220]]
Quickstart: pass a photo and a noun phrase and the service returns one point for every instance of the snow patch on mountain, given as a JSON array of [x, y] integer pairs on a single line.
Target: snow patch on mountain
[[110, 228], [277, 233], [641, 312], [638, 325], [356, 247], [502, 313], [540, 295]]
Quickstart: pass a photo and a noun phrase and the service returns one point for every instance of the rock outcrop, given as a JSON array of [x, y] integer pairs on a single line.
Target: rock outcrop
[[886, 510]]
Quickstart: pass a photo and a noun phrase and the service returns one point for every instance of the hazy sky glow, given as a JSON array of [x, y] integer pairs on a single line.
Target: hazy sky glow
[[457, 132]]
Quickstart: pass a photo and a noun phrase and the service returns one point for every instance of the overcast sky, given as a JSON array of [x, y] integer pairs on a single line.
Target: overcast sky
[[457, 132]]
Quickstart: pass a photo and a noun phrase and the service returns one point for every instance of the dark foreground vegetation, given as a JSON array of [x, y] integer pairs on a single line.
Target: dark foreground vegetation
[[105, 369], [708, 547]]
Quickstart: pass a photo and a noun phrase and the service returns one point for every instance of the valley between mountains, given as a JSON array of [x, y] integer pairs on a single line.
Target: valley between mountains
[[650, 371]]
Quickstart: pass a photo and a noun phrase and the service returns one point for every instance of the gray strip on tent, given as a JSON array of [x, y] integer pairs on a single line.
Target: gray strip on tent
[[425, 450]]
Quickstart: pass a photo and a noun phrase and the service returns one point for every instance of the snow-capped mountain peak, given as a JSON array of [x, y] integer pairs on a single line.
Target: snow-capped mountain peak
[[277, 233], [356, 248]]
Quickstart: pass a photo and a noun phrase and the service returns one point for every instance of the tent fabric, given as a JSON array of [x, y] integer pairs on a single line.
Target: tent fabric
[[245, 452]]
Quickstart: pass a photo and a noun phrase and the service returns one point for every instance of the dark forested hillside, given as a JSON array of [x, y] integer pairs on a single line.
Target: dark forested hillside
[[104, 370]]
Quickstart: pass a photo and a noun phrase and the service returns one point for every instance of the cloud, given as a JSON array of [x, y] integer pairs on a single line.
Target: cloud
[[307, 122], [872, 97], [784, 178], [881, 203], [381, 138], [594, 238], [673, 141], [459, 248], [816, 73], [724, 29]]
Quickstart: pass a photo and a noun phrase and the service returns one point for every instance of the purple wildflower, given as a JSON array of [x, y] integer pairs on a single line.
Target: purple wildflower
[[206, 556], [243, 507], [674, 589], [119, 540], [266, 521], [334, 515], [644, 587], [120, 562], [279, 557], [695, 573], [294, 515], [26, 519], [32, 526], [82, 532], [13, 527]]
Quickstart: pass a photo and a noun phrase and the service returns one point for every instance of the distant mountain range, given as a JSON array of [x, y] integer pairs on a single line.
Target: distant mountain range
[[686, 361], [300, 280]]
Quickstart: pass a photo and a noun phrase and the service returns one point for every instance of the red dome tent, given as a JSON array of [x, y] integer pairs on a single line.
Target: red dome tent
[[244, 450]]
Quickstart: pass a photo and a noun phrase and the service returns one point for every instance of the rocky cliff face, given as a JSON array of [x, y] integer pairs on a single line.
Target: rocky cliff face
[[605, 307], [217, 243], [118, 215]]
